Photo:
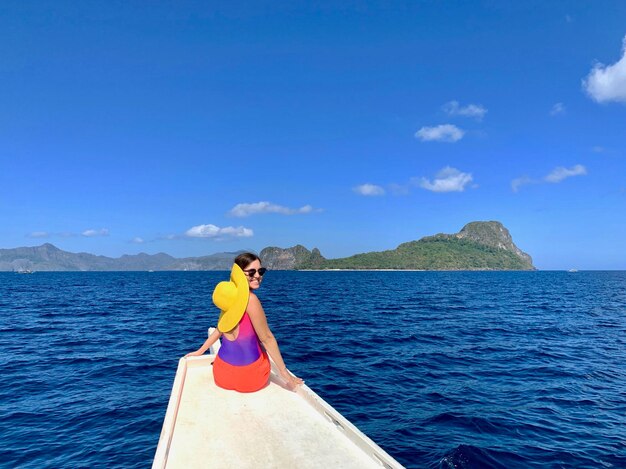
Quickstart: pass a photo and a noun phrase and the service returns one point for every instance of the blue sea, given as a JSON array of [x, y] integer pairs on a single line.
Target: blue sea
[[441, 369]]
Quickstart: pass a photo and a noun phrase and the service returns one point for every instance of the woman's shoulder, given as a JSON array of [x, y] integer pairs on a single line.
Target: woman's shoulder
[[254, 304], [253, 300]]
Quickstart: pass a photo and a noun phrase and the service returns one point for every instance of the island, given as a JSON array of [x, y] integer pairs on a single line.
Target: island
[[478, 246]]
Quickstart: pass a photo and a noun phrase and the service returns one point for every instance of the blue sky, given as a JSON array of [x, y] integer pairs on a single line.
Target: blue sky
[[196, 127]]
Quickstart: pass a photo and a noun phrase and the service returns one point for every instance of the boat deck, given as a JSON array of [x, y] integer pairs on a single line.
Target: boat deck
[[206, 426]]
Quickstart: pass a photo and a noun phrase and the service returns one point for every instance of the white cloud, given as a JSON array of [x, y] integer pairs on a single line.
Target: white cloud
[[369, 189], [39, 234], [440, 133], [598, 149], [453, 108], [94, 233], [557, 175], [244, 210], [67, 234], [137, 240], [447, 180], [215, 232], [608, 82], [521, 181], [560, 173], [558, 108]]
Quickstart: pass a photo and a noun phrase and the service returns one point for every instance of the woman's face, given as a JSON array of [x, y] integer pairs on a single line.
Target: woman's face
[[255, 279]]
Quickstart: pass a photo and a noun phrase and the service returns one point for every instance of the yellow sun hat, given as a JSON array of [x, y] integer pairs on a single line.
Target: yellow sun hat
[[232, 299]]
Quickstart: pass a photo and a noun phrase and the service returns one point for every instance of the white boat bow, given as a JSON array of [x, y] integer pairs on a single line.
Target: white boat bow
[[206, 426]]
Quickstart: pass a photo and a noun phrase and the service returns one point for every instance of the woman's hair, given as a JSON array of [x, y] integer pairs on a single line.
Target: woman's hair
[[245, 259]]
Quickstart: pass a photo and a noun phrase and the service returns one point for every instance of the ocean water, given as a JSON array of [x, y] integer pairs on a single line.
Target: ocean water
[[441, 369]]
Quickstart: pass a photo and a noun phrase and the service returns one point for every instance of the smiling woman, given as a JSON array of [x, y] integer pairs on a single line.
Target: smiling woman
[[242, 364]]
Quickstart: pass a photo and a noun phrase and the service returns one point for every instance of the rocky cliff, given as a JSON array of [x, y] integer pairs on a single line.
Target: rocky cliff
[[291, 258], [488, 233]]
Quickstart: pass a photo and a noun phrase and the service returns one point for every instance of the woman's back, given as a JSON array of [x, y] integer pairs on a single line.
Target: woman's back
[[240, 364], [245, 348]]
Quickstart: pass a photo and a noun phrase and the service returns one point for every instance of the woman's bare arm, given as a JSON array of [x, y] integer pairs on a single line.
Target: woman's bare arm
[[259, 322], [216, 334]]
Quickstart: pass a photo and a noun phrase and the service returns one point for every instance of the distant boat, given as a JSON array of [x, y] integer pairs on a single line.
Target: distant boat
[[23, 271], [573, 270]]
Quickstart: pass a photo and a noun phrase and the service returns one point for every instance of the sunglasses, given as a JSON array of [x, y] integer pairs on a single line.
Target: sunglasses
[[252, 272]]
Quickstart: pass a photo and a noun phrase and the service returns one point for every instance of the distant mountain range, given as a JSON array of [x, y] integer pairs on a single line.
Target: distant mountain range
[[478, 246], [48, 257]]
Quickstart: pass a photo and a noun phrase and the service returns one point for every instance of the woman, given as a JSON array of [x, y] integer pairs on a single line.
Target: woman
[[241, 364]]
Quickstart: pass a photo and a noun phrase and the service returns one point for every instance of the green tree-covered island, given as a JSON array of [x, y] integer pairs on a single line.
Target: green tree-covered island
[[478, 246]]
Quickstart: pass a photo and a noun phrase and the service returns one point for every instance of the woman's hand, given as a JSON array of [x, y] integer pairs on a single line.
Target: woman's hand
[[290, 380], [197, 353]]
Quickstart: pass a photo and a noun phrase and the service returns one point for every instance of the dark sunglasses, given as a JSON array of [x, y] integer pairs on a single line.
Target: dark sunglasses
[[252, 272]]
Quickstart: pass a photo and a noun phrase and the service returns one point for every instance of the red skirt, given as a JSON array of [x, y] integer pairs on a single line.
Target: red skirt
[[247, 378]]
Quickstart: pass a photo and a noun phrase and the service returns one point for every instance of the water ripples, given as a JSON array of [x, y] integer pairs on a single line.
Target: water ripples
[[442, 369]]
